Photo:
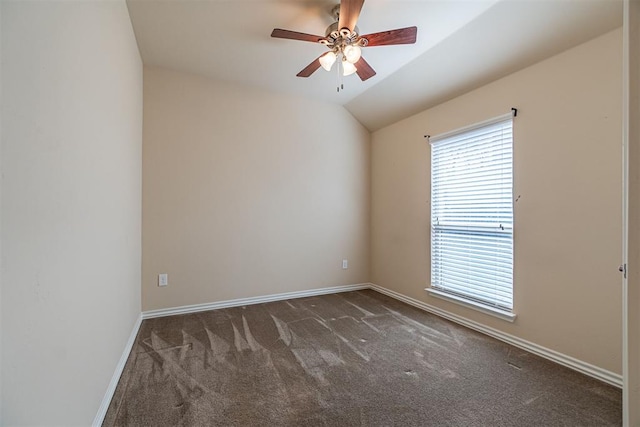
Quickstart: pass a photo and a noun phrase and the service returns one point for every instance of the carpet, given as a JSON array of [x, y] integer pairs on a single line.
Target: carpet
[[350, 359]]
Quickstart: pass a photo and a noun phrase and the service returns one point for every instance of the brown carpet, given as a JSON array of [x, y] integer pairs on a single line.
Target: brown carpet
[[350, 359]]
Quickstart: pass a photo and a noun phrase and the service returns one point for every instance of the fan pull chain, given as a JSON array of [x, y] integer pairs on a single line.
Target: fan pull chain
[[339, 81]]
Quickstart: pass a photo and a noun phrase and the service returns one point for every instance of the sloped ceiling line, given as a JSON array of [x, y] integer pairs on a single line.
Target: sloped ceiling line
[[462, 44]]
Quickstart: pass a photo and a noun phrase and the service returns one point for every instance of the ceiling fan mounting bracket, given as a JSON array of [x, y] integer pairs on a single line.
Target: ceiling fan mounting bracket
[[335, 12]]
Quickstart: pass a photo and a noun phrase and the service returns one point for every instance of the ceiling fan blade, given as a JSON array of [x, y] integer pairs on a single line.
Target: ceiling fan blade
[[349, 13], [310, 69], [364, 70], [294, 35], [399, 36]]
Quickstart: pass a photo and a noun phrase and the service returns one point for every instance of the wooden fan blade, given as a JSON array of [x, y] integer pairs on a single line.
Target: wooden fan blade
[[349, 13], [364, 70], [294, 35], [310, 69], [399, 36]]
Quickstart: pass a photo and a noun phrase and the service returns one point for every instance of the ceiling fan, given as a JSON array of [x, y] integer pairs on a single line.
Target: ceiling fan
[[343, 40]]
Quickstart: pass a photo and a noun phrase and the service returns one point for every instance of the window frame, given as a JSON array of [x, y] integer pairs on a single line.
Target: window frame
[[496, 307]]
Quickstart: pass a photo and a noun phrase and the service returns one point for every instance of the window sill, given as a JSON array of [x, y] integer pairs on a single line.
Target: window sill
[[492, 311]]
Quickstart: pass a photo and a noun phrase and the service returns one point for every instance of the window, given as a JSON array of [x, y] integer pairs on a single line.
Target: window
[[472, 215]]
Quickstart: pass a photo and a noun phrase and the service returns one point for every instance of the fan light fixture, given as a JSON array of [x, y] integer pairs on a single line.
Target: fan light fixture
[[350, 56], [344, 44]]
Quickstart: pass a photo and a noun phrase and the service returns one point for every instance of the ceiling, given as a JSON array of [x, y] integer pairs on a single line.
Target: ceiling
[[462, 44]]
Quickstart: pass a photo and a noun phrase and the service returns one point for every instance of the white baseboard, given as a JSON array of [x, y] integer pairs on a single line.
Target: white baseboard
[[106, 400], [250, 301], [562, 359]]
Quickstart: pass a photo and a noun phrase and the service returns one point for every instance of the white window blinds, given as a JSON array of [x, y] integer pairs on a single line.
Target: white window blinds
[[472, 213]]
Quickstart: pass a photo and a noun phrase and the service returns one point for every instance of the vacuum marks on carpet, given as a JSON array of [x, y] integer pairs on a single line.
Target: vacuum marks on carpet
[[356, 358]]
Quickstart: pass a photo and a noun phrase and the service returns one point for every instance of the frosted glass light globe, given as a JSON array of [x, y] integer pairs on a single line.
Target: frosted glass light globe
[[348, 68], [327, 60], [352, 53]]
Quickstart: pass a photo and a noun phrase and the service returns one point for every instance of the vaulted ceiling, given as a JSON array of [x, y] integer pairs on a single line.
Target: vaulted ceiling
[[462, 44]]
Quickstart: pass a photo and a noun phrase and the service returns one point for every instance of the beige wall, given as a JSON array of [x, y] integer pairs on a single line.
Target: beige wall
[[631, 356], [567, 173], [71, 211], [248, 193]]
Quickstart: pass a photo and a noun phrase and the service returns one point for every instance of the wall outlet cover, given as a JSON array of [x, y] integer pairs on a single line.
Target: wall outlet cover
[[163, 279]]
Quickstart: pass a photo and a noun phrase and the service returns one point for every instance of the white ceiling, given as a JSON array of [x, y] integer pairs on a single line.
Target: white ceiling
[[461, 45]]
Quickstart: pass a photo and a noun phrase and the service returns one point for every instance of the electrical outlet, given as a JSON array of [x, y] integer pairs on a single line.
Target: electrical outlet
[[163, 279], [345, 264]]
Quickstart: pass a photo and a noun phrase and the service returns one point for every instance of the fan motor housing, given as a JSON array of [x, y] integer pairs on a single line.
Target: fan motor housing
[[334, 36]]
